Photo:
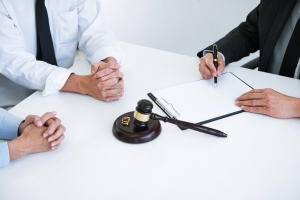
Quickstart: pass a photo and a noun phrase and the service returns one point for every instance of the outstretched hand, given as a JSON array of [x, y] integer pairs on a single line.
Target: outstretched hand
[[269, 102]]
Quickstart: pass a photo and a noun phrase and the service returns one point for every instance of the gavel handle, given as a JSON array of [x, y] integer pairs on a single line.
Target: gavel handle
[[188, 125]]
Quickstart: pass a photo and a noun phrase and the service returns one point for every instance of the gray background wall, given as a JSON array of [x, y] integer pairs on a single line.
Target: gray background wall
[[179, 26]]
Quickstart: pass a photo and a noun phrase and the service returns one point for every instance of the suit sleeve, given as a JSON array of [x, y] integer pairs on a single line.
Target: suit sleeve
[[241, 41]]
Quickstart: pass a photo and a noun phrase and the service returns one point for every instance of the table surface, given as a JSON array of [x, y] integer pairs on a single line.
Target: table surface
[[259, 159]]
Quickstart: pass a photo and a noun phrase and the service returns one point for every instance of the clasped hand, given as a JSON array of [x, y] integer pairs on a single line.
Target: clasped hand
[[37, 134], [108, 80]]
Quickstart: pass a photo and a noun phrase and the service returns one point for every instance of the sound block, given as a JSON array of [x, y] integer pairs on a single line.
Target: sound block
[[133, 134]]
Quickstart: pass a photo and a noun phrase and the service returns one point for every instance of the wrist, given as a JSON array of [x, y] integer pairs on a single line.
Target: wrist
[[297, 107], [21, 128], [75, 83], [15, 149]]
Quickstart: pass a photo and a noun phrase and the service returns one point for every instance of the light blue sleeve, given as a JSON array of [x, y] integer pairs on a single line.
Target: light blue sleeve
[[9, 125], [4, 154]]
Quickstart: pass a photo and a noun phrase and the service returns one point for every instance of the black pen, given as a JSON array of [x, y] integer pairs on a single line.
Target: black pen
[[215, 57]]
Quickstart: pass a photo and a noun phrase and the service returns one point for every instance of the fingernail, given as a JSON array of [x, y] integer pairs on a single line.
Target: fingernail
[[53, 148], [219, 73], [39, 123], [54, 112], [53, 144], [92, 72], [107, 99], [45, 135], [99, 85], [50, 139], [242, 107]]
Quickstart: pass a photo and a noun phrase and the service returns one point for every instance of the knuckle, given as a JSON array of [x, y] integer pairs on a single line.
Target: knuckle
[[110, 65], [49, 113], [254, 109], [250, 96], [58, 120], [28, 118], [107, 71], [268, 96]]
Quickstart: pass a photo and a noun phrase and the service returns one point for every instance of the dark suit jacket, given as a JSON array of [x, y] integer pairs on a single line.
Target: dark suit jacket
[[260, 31]]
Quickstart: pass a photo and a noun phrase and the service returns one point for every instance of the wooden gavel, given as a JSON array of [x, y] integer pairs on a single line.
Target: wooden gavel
[[145, 125]]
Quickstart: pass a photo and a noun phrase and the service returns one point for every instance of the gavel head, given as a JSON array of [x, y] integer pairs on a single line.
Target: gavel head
[[142, 113]]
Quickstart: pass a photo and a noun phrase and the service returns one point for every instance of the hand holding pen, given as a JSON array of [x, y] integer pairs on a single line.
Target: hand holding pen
[[207, 68]]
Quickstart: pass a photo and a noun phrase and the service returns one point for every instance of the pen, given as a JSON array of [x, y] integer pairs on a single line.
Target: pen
[[215, 57]]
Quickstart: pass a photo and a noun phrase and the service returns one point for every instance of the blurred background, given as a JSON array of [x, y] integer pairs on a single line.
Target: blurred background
[[179, 26]]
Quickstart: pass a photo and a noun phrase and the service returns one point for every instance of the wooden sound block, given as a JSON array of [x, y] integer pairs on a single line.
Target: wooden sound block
[[133, 134]]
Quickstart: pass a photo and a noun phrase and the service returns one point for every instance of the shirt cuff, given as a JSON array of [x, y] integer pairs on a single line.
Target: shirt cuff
[[106, 52], [209, 51], [4, 154], [9, 128], [56, 80]]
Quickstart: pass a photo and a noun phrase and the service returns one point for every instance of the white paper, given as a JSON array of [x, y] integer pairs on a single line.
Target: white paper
[[200, 101]]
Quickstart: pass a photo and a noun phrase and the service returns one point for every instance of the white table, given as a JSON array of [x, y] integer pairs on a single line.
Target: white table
[[260, 159]]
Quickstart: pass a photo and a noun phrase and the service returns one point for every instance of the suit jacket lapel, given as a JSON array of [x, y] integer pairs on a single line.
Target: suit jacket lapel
[[283, 14]]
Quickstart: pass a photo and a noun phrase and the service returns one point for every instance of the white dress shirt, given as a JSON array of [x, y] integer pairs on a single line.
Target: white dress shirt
[[72, 23]]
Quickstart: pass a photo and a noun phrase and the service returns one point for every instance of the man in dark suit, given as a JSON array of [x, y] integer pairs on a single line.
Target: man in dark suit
[[273, 27]]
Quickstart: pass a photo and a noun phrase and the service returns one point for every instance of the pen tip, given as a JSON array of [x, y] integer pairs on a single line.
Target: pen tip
[[224, 135], [215, 85]]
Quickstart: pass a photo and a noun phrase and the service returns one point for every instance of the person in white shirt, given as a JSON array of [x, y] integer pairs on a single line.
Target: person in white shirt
[[71, 24]]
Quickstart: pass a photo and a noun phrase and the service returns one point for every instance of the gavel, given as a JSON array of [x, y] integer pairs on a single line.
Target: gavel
[[143, 126]]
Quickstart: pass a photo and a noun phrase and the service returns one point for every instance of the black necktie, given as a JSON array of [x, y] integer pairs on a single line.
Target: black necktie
[[45, 49], [292, 54]]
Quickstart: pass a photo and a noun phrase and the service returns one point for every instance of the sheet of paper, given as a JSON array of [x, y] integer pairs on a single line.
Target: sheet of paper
[[200, 101]]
